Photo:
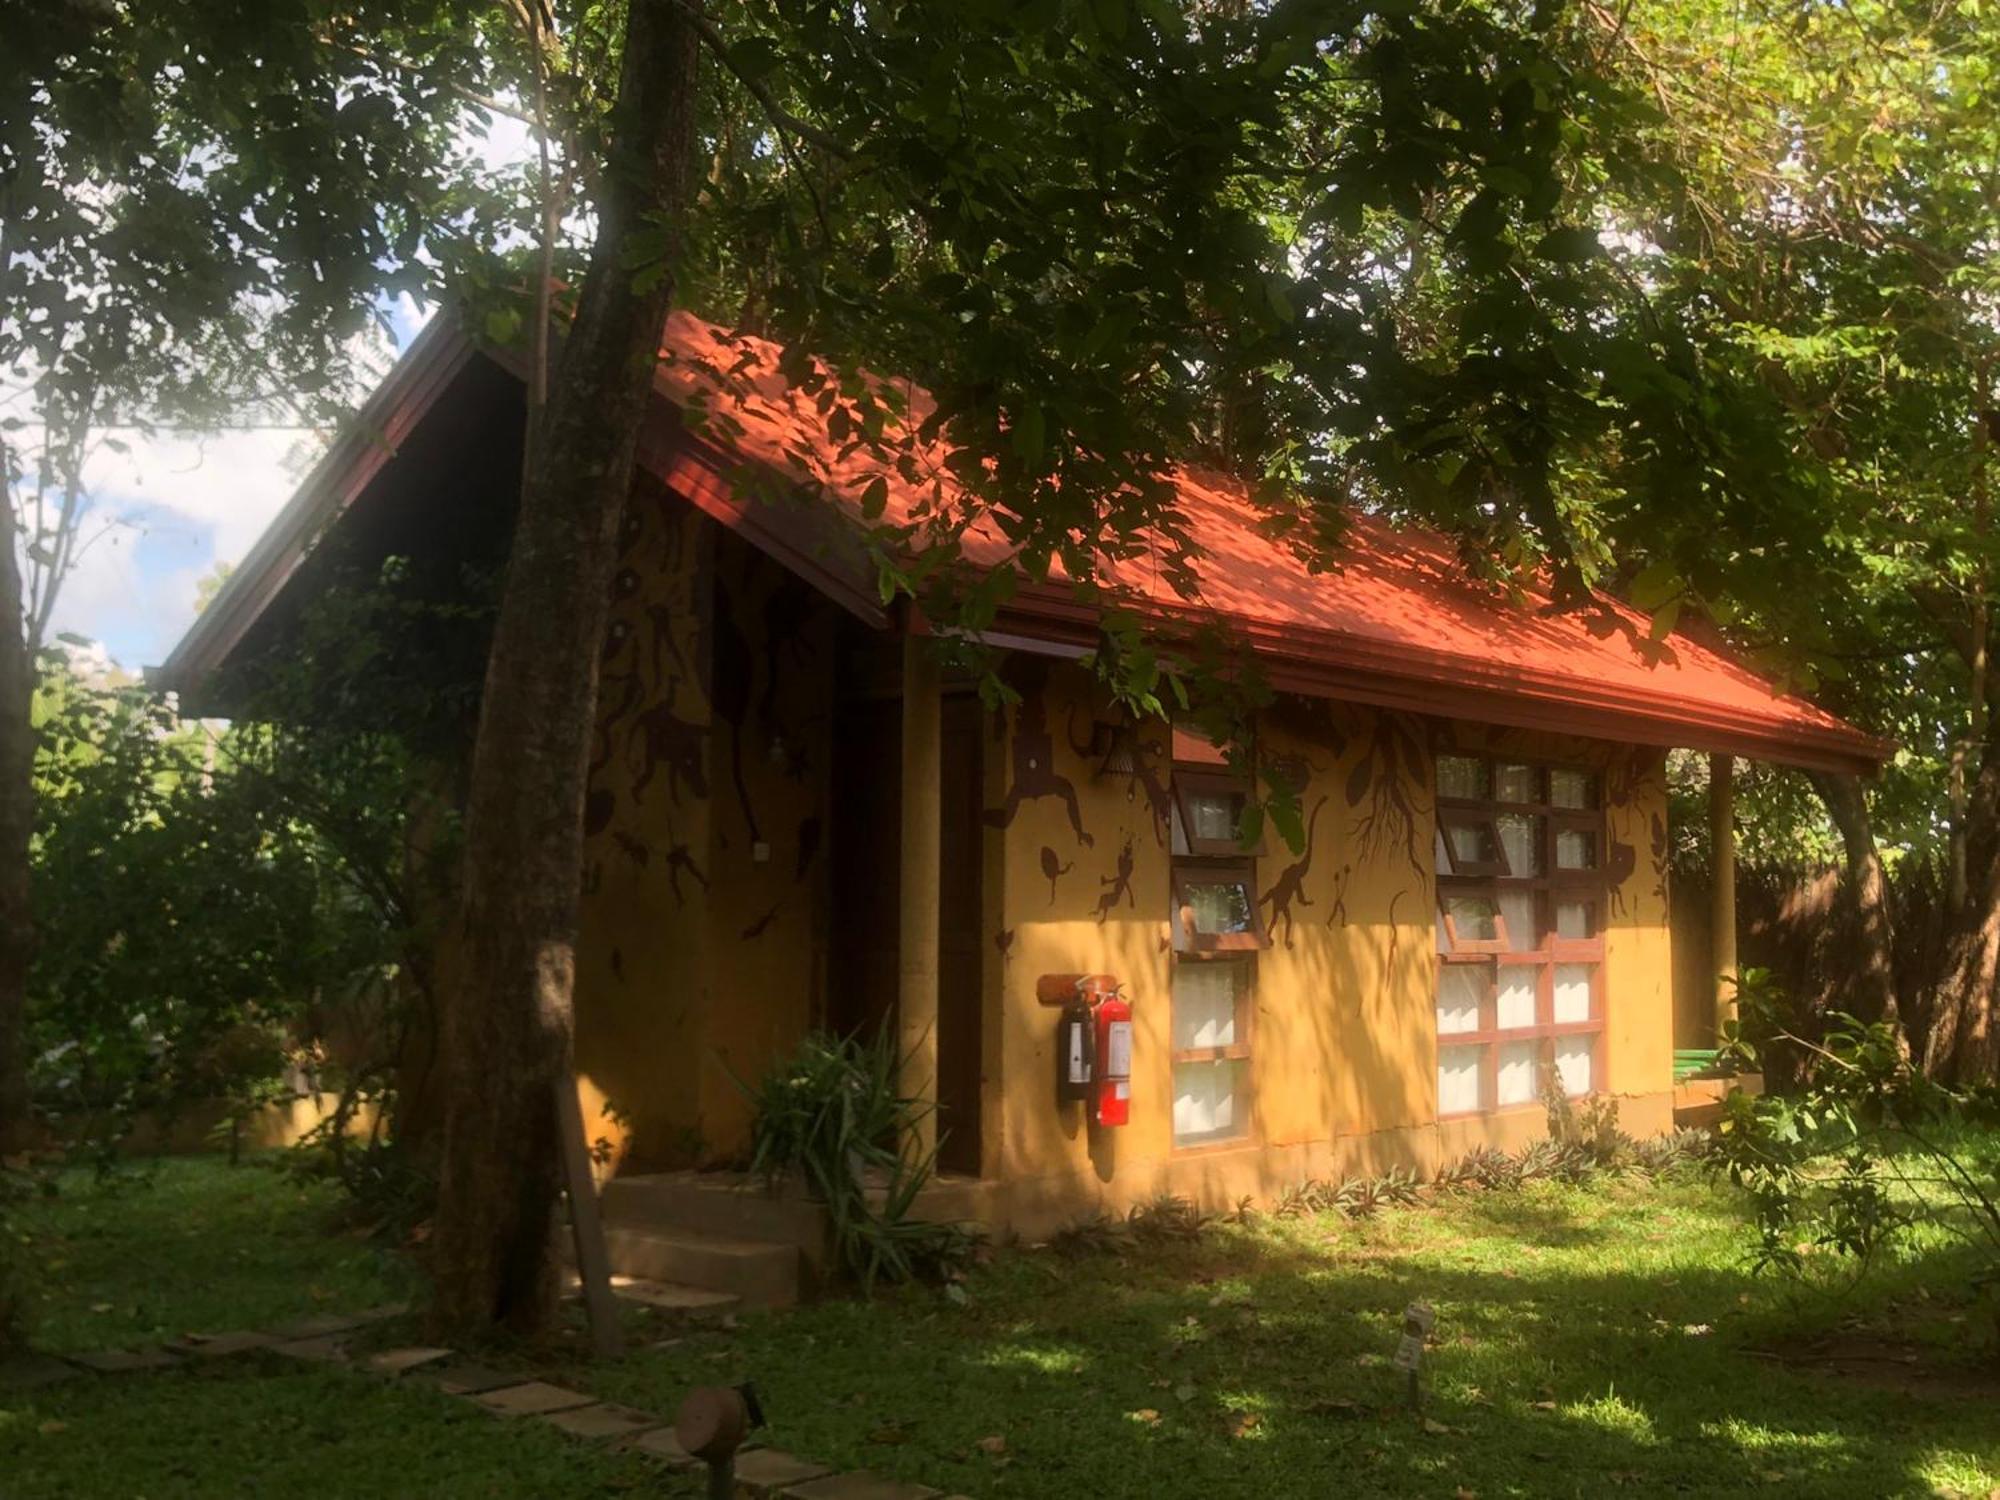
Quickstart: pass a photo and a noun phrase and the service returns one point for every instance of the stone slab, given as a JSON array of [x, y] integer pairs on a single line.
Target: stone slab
[[663, 1445], [762, 1471], [26, 1372], [319, 1325], [319, 1351], [216, 1345], [394, 1362], [124, 1361], [535, 1398], [475, 1380], [605, 1420], [860, 1485]]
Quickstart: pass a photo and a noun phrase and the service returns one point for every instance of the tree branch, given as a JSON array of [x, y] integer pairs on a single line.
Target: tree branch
[[713, 39]]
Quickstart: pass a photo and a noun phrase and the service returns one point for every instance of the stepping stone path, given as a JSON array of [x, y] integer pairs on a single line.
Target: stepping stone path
[[323, 1338]]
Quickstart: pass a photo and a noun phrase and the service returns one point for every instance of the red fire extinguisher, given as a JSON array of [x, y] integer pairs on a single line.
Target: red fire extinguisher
[[1113, 1013]]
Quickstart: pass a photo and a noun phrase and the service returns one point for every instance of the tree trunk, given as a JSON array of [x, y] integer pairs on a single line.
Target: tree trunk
[[17, 819], [507, 1006], [1961, 1042], [1873, 982]]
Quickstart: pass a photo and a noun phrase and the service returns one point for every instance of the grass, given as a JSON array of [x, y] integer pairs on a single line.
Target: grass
[[1609, 1335]]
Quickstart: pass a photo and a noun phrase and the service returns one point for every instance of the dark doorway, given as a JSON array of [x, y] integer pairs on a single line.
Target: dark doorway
[[863, 973]]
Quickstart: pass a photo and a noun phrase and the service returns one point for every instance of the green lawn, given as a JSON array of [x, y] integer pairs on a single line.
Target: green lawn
[[1587, 1338]]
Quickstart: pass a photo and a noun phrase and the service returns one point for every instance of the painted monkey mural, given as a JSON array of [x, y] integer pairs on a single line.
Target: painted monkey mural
[[1288, 890], [1054, 869], [1031, 750], [1118, 884]]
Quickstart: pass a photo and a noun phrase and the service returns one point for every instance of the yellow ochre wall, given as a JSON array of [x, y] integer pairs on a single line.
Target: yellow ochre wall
[[1343, 1071], [698, 945]]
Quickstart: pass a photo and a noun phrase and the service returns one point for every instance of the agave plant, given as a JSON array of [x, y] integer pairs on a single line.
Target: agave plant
[[1167, 1216]]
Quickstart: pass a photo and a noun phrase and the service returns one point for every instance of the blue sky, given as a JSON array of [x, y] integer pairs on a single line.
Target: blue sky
[[166, 512]]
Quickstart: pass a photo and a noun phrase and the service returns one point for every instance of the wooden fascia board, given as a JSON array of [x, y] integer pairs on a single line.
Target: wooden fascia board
[[364, 446]]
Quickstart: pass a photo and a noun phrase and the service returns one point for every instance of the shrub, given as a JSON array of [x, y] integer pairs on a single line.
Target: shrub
[[832, 1113]]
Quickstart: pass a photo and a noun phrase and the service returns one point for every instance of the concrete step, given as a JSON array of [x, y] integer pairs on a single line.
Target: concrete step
[[672, 1296], [730, 1204], [761, 1273]]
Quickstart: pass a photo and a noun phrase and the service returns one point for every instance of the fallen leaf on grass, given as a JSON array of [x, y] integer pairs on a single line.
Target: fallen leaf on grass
[[1543, 1405], [1185, 1393], [1145, 1415], [995, 1444], [1335, 1406], [1462, 1493], [51, 1427], [889, 1435], [1773, 1476], [1244, 1423], [1436, 1428]]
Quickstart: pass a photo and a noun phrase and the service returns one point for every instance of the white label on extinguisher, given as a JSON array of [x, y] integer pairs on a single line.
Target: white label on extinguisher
[[1118, 1053], [1078, 1073]]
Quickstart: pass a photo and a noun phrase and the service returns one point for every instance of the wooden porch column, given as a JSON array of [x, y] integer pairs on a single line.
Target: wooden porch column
[[917, 995], [1722, 861]]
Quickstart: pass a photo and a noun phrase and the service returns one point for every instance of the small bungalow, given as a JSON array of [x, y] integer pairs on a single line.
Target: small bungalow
[[796, 821]]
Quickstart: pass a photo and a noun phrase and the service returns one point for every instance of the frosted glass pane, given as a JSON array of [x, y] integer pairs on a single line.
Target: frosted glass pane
[[1219, 906], [1576, 849], [1518, 907], [1215, 814], [1458, 1079], [1512, 783], [1516, 1005], [1573, 919], [1473, 917], [1573, 992], [1207, 1105], [1473, 843], [1517, 1066], [1460, 988], [1205, 1005], [1573, 1063], [1461, 776], [1521, 837], [1571, 789]]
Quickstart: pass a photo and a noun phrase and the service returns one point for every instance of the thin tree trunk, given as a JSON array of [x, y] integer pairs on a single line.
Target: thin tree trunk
[[507, 1011], [1873, 983], [17, 818], [1961, 1042]]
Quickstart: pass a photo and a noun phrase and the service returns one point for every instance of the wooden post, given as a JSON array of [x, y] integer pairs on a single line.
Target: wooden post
[[1722, 861], [593, 1261], [917, 996]]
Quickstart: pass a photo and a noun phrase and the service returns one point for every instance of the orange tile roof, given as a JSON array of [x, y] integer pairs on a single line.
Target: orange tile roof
[[1397, 622]]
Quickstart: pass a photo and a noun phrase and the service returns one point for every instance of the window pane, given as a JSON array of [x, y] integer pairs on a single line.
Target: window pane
[[1462, 776], [1458, 1080], [1523, 931], [1512, 783], [1205, 1004], [1572, 789], [1514, 1006], [1460, 989], [1475, 917], [1519, 1062], [1576, 849], [1443, 859], [1473, 843], [1521, 837], [1573, 1063], [1573, 992], [1215, 815], [1574, 919], [1208, 1101], [1219, 905]]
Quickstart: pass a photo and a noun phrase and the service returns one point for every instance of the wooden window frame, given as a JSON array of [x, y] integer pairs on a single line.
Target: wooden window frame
[[1208, 782], [1549, 889], [1188, 938], [1490, 868], [1243, 1025]]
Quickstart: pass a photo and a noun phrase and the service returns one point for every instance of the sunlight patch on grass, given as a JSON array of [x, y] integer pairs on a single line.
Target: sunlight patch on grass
[[1613, 1415], [1046, 1360], [1953, 1471]]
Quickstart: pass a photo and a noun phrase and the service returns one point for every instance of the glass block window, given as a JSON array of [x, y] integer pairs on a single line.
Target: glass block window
[[1520, 872]]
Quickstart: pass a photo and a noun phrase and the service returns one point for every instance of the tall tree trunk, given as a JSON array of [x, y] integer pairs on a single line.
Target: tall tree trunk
[[1961, 1042], [17, 819], [507, 1006], [1873, 983]]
